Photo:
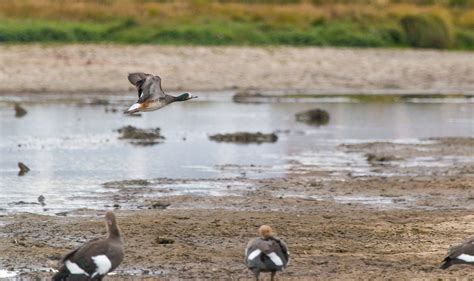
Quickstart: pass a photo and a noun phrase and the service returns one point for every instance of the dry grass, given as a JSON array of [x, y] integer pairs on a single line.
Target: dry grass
[[300, 22], [302, 13]]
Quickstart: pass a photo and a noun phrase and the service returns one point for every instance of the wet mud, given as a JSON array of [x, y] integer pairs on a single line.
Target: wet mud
[[350, 227]]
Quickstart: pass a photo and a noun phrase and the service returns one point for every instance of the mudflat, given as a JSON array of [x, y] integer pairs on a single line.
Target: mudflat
[[102, 68], [397, 224]]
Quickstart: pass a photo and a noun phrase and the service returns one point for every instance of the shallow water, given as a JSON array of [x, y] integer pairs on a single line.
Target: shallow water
[[72, 147]]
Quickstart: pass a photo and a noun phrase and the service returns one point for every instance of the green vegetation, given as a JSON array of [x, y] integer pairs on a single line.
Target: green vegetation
[[443, 24]]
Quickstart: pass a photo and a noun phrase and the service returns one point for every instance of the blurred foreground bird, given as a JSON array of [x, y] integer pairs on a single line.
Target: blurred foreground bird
[[460, 254], [266, 253], [150, 94], [94, 260]]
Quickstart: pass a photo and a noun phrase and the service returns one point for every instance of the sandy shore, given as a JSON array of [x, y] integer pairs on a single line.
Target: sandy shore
[[403, 234], [103, 68]]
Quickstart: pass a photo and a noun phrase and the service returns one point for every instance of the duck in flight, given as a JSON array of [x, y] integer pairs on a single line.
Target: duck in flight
[[150, 94]]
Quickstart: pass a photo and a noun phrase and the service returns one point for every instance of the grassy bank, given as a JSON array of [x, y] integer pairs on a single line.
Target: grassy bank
[[444, 25]]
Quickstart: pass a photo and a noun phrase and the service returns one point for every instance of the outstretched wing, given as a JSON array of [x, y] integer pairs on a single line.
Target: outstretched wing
[[138, 79], [151, 89], [148, 86], [134, 78]]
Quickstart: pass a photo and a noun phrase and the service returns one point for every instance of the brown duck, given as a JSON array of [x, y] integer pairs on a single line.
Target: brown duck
[[266, 253], [460, 254], [93, 260]]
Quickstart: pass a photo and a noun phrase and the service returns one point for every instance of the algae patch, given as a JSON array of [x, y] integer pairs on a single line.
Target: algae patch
[[314, 116], [141, 136], [245, 137]]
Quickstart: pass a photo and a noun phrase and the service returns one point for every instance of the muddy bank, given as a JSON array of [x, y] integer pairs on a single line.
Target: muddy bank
[[103, 68], [367, 227], [331, 241]]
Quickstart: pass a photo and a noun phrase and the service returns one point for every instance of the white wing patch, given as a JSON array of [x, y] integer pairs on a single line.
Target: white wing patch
[[275, 259], [74, 268], [134, 106], [103, 265], [254, 254], [466, 258]]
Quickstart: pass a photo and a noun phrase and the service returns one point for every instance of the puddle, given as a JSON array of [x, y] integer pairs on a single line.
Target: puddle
[[435, 162], [7, 274], [72, 147]]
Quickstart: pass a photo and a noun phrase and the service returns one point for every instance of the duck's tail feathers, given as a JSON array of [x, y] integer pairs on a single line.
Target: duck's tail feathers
[[447, 262], [134, 108], [62, 274]]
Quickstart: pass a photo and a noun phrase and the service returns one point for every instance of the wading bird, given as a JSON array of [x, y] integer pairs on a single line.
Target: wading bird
[[92, 261], [460, 254], [266, 253]]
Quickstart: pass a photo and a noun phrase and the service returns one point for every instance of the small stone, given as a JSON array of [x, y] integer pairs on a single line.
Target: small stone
[[314, 116], [164, 240], [19, 111], [41, 199], [159, 205], [23, 169]]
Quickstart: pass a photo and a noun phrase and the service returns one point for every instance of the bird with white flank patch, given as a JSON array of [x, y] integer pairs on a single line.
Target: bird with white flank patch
[[150, 94], [266, 253], [92, 261], [460, 254]]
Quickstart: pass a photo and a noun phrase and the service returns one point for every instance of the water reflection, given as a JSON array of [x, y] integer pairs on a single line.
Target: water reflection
[[72, 149]]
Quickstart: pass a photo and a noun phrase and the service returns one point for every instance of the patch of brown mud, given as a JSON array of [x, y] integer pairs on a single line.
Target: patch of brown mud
[[431, 147], [334, 241]]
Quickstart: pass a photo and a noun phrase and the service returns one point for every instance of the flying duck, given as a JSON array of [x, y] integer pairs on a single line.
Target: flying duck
[[93, 260], [266, 253], [150, 94], [460, 254]]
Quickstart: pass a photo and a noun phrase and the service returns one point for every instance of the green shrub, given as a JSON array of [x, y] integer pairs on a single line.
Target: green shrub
[[427, 31], [465, 39]]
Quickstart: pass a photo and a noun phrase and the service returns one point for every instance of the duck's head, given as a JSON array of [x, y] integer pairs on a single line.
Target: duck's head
[[265, 231], [110, 218], [185, 96], [112, 227]]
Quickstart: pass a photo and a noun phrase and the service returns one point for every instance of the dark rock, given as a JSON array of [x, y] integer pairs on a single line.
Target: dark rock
[[314, 116], [141, 136], [23, 169], [373, 158], [160, 240], [19, 111], [159, 205], [62, 214], [41, 199], [245, 137]]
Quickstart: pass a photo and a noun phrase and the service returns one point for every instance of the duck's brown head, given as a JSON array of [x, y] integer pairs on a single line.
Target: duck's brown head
[[112, 226], [265, 231]]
